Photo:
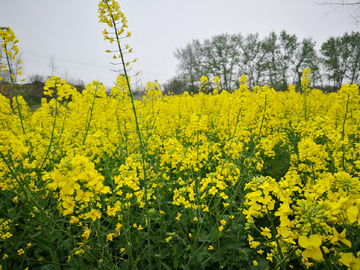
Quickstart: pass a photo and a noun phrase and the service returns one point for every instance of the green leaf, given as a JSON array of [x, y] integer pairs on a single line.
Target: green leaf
[[166, 266], [176, 264], [43, 243]]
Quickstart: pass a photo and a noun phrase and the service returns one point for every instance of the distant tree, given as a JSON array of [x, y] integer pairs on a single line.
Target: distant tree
[[52, 65], [220, 57], [316, 66], [36, 78], [189, 58], [333, 59], [305, 57], [288, 46], [341, 56], [271, 47], [353, 42], [252, 62], [175, 85]]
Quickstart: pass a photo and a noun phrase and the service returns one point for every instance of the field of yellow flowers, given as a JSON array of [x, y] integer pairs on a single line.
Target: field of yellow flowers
[[253, 179]]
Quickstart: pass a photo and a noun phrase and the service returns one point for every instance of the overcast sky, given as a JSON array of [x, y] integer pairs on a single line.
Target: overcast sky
[[69, 31]]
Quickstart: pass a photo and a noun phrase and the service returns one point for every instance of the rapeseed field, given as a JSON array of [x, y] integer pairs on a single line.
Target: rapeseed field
[[249, 179]]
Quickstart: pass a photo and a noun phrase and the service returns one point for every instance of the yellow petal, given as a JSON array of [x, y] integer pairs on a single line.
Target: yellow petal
[[313, 253], [346, 242], [346, 259], [303, 241], [352, 213], [315, 240]]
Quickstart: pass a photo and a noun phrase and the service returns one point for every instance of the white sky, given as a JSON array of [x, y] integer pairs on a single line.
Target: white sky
[[69, 31]]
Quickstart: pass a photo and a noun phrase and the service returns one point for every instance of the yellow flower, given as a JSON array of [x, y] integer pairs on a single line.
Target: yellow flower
[[122, 250], [312, 246], [223, 222], [93, 214], [168, 239], [111, 211], [28, 245], [118, 228], [195, 219], [255, 263], [80, 251], [20, 251], [340, 237], [109, 237], [140, 228], [178, 216], [269, 257], [221, 228], [254, 244], [213, 190], [211, 248], [350, 261], [83, 196], [266, 232], [86, 233], [74, 220]]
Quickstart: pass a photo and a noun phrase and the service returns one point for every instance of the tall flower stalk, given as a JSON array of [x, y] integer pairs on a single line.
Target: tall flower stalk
[[110, 13], [10, 50]]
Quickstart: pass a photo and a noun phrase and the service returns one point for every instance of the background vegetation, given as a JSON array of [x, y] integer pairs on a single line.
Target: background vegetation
[[276, 60]]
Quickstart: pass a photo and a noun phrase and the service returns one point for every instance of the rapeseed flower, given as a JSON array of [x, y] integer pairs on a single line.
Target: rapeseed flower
[[86, 233], [93, 214], [340, 237], [349, 260], [312, 246]]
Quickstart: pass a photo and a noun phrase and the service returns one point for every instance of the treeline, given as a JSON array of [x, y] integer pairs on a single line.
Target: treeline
[[276, 60]]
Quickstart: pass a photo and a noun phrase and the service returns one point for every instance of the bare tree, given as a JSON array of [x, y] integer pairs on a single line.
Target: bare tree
[[353, 7], [52, 65]]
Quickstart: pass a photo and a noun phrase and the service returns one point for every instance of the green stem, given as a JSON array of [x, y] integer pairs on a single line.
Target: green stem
[[218, 235], [274, 233], [103, 243], [279, 264], [52, 132], [144, 184], [15, 94], [90, 117], [327, 262]]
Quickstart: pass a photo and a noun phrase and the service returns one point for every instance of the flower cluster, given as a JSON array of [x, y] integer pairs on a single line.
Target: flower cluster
[[9, 50]]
